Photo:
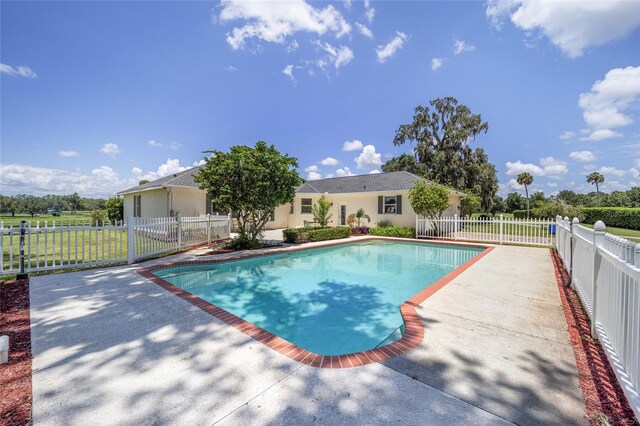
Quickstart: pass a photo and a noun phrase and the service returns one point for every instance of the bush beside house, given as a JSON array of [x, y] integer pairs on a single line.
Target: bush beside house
[[394, 231], [314, 234]]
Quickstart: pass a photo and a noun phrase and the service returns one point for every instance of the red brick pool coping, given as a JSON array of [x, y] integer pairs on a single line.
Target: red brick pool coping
[[412, 337]]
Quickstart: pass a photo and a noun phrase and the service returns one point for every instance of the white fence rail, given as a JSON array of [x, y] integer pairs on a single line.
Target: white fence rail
[[50, 245], [605, 271], [499, 230]]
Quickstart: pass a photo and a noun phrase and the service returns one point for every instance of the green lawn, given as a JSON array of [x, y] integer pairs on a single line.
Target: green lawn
[[629, 234], [89, 245]]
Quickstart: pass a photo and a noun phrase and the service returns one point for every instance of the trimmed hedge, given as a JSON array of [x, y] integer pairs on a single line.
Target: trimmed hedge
[[619, 217], [394, 231], [313, 234]]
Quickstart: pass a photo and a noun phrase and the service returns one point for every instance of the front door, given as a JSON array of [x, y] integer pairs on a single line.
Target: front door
[[343, 214]]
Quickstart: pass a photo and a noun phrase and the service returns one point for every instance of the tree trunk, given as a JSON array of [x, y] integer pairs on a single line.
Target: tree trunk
[[526, 191]]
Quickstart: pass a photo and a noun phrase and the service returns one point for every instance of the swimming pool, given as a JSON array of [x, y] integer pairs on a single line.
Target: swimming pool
[[334, 300]]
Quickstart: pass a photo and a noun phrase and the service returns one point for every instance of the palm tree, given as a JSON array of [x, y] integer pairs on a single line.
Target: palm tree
[[596, 178], [358, 216], [525, 179]]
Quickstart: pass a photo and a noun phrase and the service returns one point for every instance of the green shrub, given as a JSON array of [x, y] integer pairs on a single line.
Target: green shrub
[[324, 234], [619, 217], [242, 243], [303, 235], [98, 217], [394, 231], [384, 223]]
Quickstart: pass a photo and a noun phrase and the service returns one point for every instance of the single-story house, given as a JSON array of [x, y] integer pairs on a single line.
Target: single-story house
[[383, 196]]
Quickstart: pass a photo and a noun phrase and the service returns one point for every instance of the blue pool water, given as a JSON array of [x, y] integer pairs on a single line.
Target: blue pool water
[[332, 300]]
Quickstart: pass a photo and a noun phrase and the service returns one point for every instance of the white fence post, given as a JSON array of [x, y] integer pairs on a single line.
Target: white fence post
[[598, 242], [208, 228], [501, 222], [130, 242], [179, 219], [455, 226]]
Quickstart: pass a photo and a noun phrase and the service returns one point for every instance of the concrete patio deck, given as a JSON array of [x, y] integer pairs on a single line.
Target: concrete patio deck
[[111, 347]]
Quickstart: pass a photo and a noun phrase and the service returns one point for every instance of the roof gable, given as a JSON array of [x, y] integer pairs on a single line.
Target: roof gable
[[180, 179]]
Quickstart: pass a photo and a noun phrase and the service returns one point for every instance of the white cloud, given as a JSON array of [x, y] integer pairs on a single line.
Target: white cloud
[[288, 71], [354, 145], [460, 46], [154, 143], [552, 184], [293, 46], [68, 154], [572, 26], [175, 146], [328, 175], [275, 21], [369, 12], [565, 136], [110, 149], [338, 56], [364, 30], [329, 161], [554, 168], [368, 158], [605, 105], [171, 166], [374, 172], [345, 171], [230, 68], [310, 169], [314, 176], [583, 156], [387, 51], [514, 169], [608, 170], [18, 71], [101, 182], [436, 63], [634, 172], [602, 134]]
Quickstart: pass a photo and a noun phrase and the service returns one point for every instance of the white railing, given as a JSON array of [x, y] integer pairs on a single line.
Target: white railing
[[50, 245], [499, 230], [605, 272]]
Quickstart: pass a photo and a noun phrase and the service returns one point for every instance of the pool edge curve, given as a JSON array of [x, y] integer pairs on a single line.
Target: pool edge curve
[[411, 338]]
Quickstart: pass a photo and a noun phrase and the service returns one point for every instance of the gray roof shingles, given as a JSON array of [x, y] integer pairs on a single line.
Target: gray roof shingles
[[392, 181]]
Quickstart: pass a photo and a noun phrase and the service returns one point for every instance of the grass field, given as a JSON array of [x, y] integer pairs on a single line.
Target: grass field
[[629, 234]]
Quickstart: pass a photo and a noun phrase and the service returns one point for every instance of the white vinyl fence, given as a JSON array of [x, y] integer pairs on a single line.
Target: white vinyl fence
[[499, 230], [605, 271], [50, 245]]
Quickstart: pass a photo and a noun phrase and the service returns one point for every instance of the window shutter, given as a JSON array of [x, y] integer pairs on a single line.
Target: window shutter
[[399, 204], [380, 202]]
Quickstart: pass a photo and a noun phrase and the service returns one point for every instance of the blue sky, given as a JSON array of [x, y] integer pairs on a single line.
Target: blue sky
[[96, 96]]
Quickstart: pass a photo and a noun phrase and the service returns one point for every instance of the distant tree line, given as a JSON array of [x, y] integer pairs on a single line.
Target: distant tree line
[[33, 205], [515, 201]]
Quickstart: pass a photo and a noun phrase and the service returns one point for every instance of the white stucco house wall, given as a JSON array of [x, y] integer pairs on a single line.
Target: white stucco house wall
[[383, 196]]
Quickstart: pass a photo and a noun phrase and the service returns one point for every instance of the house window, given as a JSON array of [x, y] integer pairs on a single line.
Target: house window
[[390, 204], [137, 206], [291, 208], [305, 205]]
